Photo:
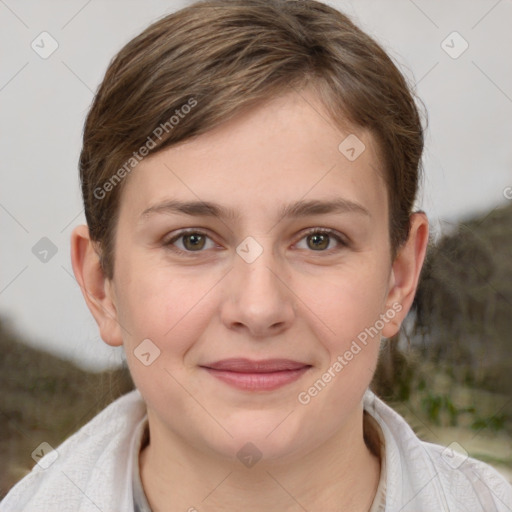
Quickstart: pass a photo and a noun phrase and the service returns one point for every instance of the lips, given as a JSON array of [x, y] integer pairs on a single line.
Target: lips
[[257, 376], [241, 365]]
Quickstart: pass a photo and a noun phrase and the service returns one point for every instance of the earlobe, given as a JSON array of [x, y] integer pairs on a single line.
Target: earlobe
[[406, 272], [96, 288]]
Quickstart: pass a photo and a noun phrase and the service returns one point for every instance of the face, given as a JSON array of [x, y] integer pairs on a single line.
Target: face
[[290, 260]]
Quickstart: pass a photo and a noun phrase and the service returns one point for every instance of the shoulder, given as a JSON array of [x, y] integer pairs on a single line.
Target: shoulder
[[86, 470], [426, 476], [469, 480]]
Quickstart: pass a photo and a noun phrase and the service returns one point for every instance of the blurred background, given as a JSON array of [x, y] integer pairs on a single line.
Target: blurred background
[[448, 372]]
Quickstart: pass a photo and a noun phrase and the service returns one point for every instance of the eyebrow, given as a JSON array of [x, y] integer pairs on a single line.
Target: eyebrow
[[297, 209]]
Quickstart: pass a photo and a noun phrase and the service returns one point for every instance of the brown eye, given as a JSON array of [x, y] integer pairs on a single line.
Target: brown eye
[[188, 242], [318, 241], [193, 241]]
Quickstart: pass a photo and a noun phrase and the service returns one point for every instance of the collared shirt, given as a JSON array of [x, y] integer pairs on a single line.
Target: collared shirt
[[94, 469]]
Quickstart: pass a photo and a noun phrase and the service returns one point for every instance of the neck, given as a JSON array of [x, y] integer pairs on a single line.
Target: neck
[[340, 474]]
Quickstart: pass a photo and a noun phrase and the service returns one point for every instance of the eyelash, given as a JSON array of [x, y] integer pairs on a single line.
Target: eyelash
[[323, 231]]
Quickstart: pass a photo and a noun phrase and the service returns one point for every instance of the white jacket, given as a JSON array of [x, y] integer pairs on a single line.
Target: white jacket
[[93, 468]]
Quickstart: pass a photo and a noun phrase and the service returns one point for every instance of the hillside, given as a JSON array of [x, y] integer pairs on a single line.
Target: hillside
[[464, 303], [45, 398]]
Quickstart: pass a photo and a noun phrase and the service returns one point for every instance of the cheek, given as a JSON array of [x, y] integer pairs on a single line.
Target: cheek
[[167, 307], [348, 302], [171, 312], [349, 312]]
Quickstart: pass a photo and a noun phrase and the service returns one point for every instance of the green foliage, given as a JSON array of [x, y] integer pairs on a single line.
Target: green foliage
[[495, 423], [435, 405]]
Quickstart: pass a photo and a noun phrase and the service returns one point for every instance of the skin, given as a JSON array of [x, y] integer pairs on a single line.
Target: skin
[[294, 301]]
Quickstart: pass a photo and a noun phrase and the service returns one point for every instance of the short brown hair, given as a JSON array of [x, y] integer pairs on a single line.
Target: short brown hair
[[221, 56]]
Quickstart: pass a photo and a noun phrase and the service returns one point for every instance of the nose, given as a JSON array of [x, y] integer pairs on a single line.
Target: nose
[[258, 299]]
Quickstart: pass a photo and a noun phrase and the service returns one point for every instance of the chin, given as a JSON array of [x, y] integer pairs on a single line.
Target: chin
[[264, 439]]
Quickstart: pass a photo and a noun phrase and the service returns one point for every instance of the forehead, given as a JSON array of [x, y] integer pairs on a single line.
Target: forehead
[[281, 151]]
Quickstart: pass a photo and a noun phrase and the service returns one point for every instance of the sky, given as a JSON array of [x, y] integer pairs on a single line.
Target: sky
[[457, 55]]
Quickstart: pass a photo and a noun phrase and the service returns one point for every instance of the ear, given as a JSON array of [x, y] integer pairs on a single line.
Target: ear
[[405, 273], [97, 290]]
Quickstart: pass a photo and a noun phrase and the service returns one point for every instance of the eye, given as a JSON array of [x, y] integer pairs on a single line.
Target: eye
[[193, 241], [319, 239]]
